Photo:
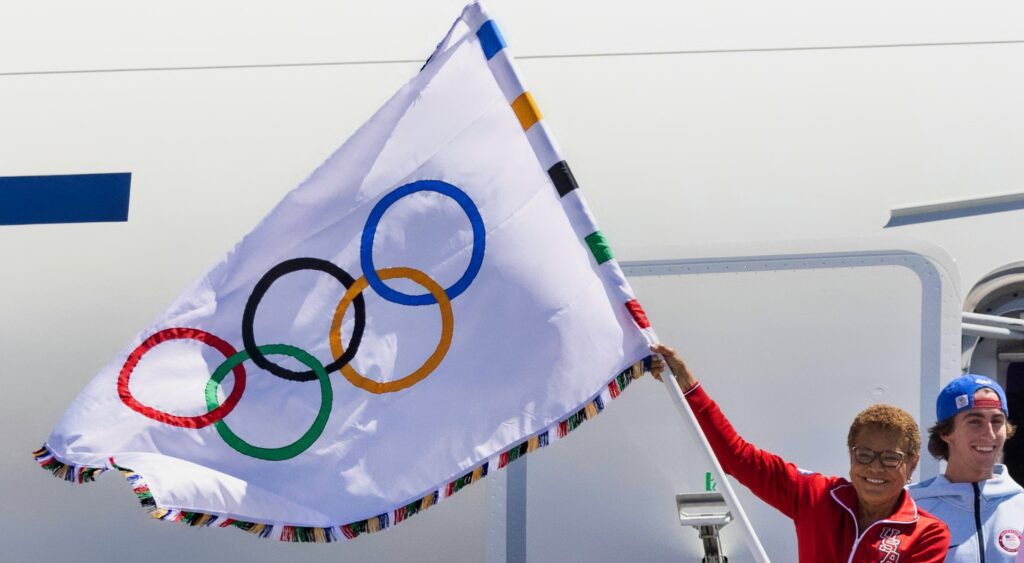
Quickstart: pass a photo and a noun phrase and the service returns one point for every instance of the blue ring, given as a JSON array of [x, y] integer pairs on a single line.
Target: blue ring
[[370, 230]]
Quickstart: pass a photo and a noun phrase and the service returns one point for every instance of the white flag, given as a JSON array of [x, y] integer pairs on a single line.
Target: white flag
[[432, 303]]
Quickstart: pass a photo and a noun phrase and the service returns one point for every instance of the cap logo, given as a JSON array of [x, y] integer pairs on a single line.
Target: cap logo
[[962, 401], [983, 381]]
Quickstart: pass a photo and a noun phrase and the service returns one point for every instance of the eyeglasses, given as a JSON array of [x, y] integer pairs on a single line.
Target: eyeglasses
[[888, 458]]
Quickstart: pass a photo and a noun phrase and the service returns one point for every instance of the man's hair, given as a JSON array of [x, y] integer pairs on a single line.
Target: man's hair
[[940, 449], [888, 417]]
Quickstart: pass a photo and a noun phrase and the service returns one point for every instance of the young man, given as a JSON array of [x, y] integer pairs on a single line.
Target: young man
[[976, 497]]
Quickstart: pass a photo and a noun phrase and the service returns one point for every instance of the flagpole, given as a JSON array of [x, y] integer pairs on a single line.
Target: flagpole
[[684, 410], [505, 74]]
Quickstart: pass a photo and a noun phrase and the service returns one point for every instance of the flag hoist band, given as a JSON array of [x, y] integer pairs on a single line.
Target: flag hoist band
[[598, 300]]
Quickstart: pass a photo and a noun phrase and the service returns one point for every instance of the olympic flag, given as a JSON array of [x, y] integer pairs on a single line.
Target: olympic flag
[[307, 388]]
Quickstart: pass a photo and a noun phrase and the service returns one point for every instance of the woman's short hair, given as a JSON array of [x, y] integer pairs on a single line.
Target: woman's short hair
[[888, 417], [940, 449]]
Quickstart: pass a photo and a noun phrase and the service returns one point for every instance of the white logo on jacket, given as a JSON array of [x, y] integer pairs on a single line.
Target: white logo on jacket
[[890, 545]]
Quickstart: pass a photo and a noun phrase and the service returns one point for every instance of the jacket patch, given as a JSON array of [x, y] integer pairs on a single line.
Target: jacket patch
[[1009, 541], [890, 545]]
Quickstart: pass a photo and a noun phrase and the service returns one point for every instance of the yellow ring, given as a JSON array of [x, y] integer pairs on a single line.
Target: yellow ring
[[447, 329]]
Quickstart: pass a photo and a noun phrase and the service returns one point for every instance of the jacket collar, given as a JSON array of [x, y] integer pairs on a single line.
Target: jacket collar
[[962, 494], [846, 495]]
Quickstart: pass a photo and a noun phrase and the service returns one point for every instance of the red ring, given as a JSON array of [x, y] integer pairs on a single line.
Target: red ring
[[183, 421]]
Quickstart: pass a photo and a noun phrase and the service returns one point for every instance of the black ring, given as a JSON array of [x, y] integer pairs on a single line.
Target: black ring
[[249, 317]]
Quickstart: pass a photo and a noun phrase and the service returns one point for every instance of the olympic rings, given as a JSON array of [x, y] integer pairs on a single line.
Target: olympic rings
[[447, 330], [343, 357], [249, 316], [370, 230], [307, 439], [202, 420]]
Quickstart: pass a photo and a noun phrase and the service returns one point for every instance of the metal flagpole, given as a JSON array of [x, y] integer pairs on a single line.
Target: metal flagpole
[[543, 144]]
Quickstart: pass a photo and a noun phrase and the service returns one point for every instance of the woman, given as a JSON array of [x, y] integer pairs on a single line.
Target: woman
[[868, 518]]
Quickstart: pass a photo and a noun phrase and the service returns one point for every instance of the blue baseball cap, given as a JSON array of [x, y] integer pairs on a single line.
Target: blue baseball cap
[[958, 396]]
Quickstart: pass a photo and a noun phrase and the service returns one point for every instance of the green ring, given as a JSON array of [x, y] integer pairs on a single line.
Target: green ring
[[307, 439]]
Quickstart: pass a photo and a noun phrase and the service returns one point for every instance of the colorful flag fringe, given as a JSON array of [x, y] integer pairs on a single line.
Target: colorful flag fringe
[[304, 534]]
